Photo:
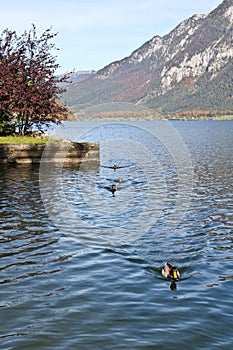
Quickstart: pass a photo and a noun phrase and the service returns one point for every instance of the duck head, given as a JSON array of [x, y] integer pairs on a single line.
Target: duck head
[[169, 271]]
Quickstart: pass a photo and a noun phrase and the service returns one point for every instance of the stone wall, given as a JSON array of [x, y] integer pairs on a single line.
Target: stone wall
[[62, 153]]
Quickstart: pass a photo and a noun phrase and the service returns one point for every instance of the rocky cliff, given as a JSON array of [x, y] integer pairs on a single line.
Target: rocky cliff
[[188, 69]]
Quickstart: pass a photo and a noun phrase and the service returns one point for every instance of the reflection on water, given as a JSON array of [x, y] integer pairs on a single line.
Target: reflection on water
[[25, 239], [57, 293]]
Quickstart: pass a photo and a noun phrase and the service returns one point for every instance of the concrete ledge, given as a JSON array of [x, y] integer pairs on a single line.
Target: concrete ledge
[[62, 153]]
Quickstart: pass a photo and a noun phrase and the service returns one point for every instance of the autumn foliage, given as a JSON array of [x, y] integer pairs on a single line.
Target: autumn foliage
[[29, 88]]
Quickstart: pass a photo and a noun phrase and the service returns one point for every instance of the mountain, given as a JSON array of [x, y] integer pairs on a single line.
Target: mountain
[[76, 77], [189, 69]]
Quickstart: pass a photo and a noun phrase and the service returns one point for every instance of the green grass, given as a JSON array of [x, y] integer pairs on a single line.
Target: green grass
[[23, 139], [224, 117]]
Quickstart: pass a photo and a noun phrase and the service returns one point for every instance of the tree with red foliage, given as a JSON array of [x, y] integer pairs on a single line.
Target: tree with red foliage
[[29, 88]]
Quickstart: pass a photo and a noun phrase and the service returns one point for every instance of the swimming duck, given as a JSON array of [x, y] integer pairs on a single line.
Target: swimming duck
[[120, 180], [113, 189], [169, 271]]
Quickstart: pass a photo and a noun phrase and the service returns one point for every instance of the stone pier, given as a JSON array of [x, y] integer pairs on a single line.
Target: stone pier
[[65, 153]]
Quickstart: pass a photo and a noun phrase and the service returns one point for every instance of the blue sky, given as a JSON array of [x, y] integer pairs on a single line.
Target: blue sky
[[92, 34]]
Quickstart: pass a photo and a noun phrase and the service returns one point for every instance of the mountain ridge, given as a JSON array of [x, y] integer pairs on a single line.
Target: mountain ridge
[[186, 69]]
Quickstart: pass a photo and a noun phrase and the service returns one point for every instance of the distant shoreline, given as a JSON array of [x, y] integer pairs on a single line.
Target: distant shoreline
[[122, 119]]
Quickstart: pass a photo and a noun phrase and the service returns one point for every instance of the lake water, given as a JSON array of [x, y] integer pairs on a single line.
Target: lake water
[[81, 268]]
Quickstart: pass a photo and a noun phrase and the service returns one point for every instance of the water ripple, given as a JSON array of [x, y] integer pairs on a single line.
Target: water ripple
[[59, 294]]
